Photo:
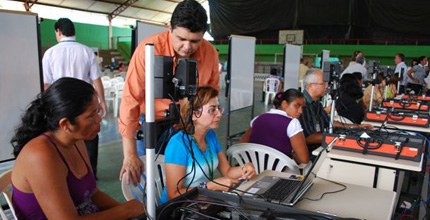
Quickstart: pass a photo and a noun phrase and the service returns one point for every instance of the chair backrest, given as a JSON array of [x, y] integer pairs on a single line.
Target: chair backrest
[[105, 78], [107, 84], [119, 86], [271, 85], [344, 120], [118, 79], [139, 192], [6, 191], [262, 157]]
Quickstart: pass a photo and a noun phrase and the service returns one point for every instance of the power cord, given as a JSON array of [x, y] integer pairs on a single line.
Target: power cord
[[326, 193]]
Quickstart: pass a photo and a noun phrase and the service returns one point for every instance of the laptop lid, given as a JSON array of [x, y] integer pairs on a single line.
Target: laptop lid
[[307, 181], [267, 182]]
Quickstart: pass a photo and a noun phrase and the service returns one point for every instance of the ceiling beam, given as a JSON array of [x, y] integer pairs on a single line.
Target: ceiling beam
[[92, 11], [28, 4], [66, 7], [120, 9], [135, 6]]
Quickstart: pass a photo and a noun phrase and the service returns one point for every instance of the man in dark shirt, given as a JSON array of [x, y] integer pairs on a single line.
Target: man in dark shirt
[[314, 119]]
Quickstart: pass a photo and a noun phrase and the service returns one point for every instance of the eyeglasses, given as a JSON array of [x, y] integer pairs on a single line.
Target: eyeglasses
[[213, 110], [323, 83]]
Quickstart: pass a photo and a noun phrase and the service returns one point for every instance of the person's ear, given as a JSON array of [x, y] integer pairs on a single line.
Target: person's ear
[[169, 25], [65, 125], [284, 105]]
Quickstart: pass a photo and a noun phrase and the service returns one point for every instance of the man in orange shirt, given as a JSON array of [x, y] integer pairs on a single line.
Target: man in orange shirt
[[184, 39]]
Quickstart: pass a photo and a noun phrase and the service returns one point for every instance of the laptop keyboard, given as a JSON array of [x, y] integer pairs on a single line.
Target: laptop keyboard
[[281, 189]]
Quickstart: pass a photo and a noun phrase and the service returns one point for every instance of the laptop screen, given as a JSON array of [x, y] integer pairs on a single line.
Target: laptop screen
[[316, 165]]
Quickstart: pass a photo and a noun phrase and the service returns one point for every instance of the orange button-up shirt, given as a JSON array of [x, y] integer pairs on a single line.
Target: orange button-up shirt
[[133, 96]]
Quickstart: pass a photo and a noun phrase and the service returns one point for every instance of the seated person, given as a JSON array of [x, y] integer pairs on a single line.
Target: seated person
[[391, 89], [52, 176], [274, 74], [314, 119], [192, 157], [378, 96], [279, 127], [348, 104], [359, 78]]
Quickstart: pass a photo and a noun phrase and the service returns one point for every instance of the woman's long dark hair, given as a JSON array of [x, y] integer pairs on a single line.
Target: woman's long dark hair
[[289, 96], [349, 85], [65, 98]]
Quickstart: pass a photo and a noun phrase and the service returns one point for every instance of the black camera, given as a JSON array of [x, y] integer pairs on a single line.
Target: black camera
[[331, 71], [175, 85]]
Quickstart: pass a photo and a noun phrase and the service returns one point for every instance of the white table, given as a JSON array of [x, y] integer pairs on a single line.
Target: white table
[[356, 201], [374, 160], [401, 127], [368, 170]]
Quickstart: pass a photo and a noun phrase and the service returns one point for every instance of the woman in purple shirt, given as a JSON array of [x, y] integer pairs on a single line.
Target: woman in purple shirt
[[52, 176], [279, 127]]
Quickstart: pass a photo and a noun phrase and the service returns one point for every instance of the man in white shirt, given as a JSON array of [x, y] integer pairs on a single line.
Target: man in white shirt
[[71, 59], [401, 70], [356, 65]]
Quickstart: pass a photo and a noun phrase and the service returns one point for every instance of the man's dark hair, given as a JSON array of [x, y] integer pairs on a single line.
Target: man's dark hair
[[355, 54], [401, 56], [191, 15], [349, 86], [66, 27], [289, 96], [421, 58], [358, 75]]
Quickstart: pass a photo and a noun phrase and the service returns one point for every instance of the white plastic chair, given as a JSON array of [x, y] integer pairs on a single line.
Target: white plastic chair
[[302, 85], [117, 79], [109, 91], [262, 157], [343, 120], [119, 87], [6, 191], [105, 78], [139, 192], [270, 88]]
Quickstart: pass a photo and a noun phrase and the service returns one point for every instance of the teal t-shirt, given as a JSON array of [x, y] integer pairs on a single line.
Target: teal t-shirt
[[178, 152]]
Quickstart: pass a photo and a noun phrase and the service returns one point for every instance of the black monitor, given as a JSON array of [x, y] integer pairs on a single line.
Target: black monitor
[[331, 71], [186, 79], [176, 84]]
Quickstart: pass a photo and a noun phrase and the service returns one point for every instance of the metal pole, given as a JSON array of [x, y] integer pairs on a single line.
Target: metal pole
[[398, 83], [150, 130], [333, 106], [372, 92], [400, 79], [110, 35]]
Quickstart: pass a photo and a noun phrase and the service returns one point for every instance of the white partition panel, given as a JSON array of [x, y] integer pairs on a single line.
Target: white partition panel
[[291, 66], [20, 75], [242, 59], [144, 30]]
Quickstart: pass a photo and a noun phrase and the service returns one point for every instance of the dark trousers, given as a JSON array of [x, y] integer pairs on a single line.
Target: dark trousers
[[417, 88], [402, 89], [93, 152]]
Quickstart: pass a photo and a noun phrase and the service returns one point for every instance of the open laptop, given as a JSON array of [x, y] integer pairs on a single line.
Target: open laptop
[[287, 191]]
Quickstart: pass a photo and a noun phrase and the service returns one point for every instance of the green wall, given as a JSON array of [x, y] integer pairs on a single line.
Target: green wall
[[97, 36], [88, 34], [124, 48], [383, 53]]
